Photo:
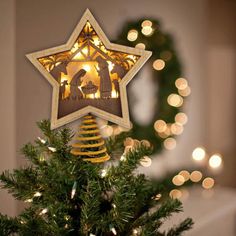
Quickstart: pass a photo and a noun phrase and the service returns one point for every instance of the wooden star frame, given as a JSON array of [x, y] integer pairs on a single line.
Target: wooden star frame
[[58, 120]]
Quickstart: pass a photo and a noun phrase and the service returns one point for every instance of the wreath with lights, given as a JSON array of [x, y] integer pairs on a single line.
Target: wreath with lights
[[168, 119]]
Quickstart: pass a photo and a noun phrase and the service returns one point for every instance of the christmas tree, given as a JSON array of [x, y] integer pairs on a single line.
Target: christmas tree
[[68, 195]]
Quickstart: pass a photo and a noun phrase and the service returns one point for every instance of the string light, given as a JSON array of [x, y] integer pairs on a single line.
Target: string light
[[167, 130], [178, 180], [181, 118], [208, 183], [146, 23], [176, 129], [170, 143], [146, 161], [41, 158], [123, 158], [196, 176], [157, 197], [160, 126], [73, 191], [52, 149], [113, 230], [185, 174], [181, 83], [199, 154], [215, 161], [185, 92], [175, 194], [147, 30], [22, 222], [163, 135], [103, 173], [44, 211], [129, 142], [140, 46], [146, 143], [37, 194], [175, 100], [29, 200], [136, 231], [42, 140], [132, 35], [158, 64]]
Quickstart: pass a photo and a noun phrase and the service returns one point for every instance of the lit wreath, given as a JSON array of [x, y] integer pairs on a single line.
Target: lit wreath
[[168, 119]]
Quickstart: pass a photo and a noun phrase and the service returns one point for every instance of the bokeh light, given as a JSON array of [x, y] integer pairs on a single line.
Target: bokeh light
[[215, 161], [146, 161], [181, 118], [132, 35], [181, 83], [185, 174], [146, 23], [175, 100], [158, 64], [176, 129], [140, 46], [199, 154], [208, 183], [175, 194], [147, 30], [160, 126], [196, 176], [185, 92], [170, 143], [178, 180]]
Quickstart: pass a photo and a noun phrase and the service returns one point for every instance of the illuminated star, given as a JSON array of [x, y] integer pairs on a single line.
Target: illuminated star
[[78, 63]]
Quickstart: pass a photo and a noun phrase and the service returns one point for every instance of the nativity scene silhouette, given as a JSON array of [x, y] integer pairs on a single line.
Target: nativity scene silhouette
[[89, 74]]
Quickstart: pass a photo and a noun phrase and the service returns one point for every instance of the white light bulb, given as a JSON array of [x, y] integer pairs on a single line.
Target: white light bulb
[[103, 173], [199, 154], [215, 161], [37, 194], [44, 211], [42, 140], [52, 149], [113, 230]]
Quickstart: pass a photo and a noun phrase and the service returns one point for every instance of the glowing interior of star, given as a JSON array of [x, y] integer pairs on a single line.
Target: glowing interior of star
[[89, 70]]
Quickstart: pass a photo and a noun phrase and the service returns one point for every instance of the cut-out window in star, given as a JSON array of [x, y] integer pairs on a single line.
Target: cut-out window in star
[[89, 74]]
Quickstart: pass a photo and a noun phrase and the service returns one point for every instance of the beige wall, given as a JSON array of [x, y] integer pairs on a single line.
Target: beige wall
[[221, 83], [7, 101]]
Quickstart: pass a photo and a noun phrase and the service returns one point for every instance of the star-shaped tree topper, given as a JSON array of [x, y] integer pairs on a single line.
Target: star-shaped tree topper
[[89, 74]]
